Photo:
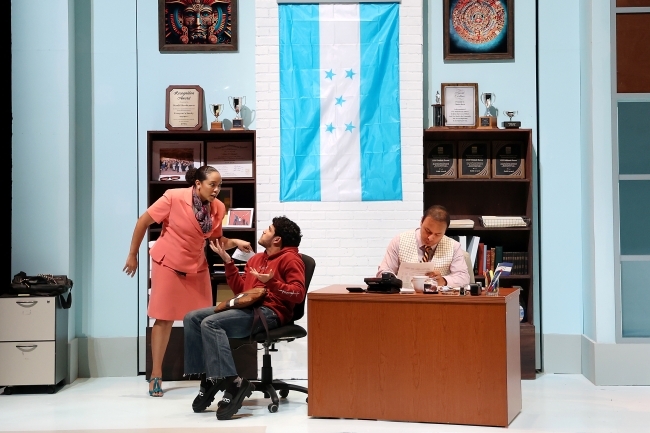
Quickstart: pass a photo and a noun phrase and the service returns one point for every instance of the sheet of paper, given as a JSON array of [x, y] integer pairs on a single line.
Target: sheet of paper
[[240, 255], [408, 270]]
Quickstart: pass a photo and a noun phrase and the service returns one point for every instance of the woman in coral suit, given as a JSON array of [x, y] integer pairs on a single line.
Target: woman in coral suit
[[180, 278]]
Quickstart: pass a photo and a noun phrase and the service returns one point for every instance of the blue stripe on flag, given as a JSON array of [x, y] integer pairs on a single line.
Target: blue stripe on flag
[[381, 160], [299, 103]]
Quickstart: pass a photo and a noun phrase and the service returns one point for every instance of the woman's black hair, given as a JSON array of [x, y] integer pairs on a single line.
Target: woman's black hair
[[287, 230], [200, 174]]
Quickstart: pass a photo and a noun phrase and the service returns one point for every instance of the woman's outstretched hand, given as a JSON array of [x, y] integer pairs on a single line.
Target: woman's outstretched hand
[[215, 246]]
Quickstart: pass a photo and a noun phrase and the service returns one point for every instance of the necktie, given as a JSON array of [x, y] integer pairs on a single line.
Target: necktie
[[427, 254]]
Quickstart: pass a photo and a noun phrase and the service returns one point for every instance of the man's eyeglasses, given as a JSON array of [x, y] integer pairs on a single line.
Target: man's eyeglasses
[[170, 177]]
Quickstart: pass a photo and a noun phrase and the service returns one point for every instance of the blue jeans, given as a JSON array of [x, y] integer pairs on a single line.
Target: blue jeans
[[206, 338]]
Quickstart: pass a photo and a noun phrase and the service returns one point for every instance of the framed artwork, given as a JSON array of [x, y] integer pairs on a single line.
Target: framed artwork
[[197, 25], [478, 29], [240, 218], [460, 104], [170, 160]]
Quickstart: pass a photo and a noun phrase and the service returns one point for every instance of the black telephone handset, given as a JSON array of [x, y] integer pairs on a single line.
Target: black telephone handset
[[388, 283]]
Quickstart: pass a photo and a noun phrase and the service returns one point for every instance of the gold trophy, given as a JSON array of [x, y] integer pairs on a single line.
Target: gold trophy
[[216, 110], [236, 103]]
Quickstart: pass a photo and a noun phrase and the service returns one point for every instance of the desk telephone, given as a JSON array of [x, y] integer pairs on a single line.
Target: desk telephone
[[388, 283]]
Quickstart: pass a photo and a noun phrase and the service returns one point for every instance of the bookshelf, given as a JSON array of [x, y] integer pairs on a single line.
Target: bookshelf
[[468, 198], [243, 195]]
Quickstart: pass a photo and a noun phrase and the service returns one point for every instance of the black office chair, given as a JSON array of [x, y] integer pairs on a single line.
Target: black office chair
[[287, 332]]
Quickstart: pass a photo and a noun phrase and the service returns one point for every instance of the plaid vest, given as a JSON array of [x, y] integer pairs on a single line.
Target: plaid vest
[[408, 252]]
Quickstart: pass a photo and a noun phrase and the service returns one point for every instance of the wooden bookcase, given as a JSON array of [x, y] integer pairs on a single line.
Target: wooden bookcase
[[468, 198], [244, 195]]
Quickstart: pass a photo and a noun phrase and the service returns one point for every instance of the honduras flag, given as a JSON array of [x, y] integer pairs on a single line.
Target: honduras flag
[[339, 102]]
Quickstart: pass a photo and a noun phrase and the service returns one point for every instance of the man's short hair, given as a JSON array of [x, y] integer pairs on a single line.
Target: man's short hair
[[287, 230], [437, 213]]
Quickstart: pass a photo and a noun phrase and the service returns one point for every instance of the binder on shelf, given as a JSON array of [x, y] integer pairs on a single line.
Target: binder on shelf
[[472, 248]]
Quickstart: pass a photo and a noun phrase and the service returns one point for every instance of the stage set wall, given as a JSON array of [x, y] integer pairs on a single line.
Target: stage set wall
[[84, 96]]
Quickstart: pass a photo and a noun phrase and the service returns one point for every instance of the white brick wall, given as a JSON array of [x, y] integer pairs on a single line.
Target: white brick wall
[[347, 240]]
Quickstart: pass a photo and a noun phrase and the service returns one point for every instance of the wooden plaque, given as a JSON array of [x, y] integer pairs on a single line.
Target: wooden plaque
[[508, 160], [474, 159], [441, 160], [460, 105], [184, 108]]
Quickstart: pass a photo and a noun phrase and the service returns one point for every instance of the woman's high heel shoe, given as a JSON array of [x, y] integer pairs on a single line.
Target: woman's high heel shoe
[[156, 387]]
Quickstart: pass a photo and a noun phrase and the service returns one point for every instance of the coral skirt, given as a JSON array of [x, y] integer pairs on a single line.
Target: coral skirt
[[173, 295]]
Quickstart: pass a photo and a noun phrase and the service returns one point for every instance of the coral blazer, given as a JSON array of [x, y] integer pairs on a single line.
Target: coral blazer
[[181, 243]]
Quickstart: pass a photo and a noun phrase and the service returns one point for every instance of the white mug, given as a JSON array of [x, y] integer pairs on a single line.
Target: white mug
[[417, 282]]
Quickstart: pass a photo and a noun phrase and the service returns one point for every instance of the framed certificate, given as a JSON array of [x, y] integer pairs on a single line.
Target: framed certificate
[[474, 159], [441, 160], [240, 218], [508, 160], [184, 108], [460, 104], [233, 159]]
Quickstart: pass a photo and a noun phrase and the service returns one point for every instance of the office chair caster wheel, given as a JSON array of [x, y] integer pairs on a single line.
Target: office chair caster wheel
[[8, 391], [284, 393], [273, 408]]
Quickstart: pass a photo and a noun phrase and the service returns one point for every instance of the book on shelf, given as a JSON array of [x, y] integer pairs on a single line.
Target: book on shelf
[[461, 224], [481, 259], [472, 248]]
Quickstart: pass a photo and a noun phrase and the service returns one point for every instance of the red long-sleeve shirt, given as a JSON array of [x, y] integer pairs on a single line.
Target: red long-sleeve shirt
[[284, 290]]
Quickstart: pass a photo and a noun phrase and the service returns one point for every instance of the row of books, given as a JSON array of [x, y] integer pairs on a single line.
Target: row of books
[[488, 257]]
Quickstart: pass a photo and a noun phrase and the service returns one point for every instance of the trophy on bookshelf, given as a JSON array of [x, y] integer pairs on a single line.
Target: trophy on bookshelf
[[236, 103], [487, 121], [511, 124], [437, 112], [216, 110]]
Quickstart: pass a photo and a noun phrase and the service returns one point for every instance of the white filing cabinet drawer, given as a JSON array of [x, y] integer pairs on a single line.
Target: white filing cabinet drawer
[[27, 363], [27, 318]]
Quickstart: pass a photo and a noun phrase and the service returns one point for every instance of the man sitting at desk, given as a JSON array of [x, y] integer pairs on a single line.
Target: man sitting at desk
[[429, 244], [281, 271]]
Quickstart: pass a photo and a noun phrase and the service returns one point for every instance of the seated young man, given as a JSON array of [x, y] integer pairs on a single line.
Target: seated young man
[[281, 270]]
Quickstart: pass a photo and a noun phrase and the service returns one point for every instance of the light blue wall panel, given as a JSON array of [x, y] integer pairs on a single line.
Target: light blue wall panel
[[113, 305], [559, 159], [41, 190], [219, 74]]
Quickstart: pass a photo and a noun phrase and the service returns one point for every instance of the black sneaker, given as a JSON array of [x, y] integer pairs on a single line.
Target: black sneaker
[[207, 390], [233, 397]]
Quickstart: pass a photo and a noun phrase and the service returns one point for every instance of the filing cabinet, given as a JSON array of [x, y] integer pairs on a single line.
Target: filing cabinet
[[33, 341]]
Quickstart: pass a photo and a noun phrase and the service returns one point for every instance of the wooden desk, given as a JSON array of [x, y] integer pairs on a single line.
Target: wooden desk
[[414, 357]]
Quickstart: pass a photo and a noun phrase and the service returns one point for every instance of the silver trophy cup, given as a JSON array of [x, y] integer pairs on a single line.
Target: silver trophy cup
[[236, 102]]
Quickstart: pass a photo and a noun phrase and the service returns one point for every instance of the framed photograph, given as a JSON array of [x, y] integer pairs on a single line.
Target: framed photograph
[[441, 160], [233, 159], [170, 160], [478, 29], [460, 104], [474, 159], [508, 160], [240, 218], [225, 196], [184, 108], [197, 25]]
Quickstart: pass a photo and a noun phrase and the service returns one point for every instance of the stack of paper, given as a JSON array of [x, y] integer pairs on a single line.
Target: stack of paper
[[503, 221], [461, 224]]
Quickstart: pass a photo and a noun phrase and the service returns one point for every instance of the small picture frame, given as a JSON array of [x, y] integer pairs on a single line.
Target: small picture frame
[[240, 218], [170, 160], [460, 104]]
